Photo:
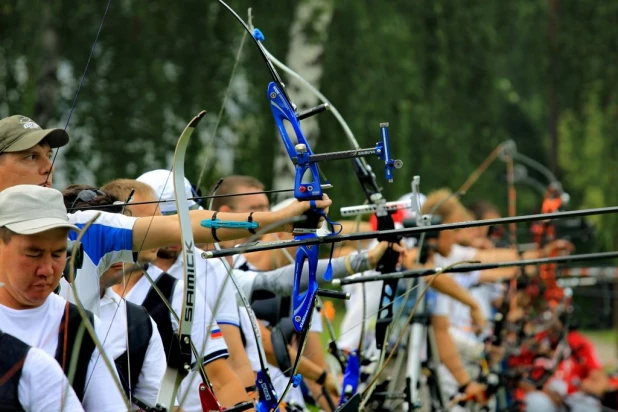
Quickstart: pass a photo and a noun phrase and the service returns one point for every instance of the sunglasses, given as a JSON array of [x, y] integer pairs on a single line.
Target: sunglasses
[[87, 195]]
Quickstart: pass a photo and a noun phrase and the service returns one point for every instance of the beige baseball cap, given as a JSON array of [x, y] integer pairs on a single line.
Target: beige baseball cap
[[20, 133], [31, 209]]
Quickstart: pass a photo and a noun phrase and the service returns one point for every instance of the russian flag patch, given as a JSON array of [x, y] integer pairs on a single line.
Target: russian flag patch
[[216, 334]]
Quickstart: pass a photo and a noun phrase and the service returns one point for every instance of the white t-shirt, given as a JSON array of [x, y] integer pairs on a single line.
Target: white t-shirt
[[107, 241], [37, 394], [353, 318], [457, 312], [114, 320], [215, 347], [210, 281], [38, 327]]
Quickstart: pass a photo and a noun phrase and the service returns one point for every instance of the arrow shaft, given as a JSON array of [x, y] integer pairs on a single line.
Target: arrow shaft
[[410, 231], [481, 266]]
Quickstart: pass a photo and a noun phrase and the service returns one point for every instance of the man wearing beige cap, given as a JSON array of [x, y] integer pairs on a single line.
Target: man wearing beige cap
[[25, 158], [33, 248], [28, 149]]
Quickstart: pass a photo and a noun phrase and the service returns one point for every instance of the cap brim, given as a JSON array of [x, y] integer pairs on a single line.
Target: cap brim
[[34, 226], [54, 137]]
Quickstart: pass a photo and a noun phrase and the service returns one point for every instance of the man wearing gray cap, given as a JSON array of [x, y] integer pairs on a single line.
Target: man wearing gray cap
[[33, 248], [25, 158]]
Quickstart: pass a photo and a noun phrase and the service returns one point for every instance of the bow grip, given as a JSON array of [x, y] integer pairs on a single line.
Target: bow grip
[[267, 400], [302, 302], [351, 378], [311, 221], [307, 180], [385, 313], [388, 261]]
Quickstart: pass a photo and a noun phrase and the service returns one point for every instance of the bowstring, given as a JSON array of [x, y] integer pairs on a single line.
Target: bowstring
[[81, 82], [213, 133], [73, 106]]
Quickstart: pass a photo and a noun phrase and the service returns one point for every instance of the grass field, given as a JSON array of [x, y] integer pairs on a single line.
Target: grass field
[[606, 342]]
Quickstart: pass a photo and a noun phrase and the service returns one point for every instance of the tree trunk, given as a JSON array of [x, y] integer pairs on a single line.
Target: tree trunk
[[308, 35]]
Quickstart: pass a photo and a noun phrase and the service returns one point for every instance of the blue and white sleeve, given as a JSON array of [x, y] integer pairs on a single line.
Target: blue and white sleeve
[[109, 240]]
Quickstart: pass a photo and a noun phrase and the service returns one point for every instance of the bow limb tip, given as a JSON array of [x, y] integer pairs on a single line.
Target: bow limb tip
[[194, 122]]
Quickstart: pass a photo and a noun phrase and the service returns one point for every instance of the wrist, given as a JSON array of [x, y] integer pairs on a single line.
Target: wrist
[[348, 265], [279, 216], [462, 388]]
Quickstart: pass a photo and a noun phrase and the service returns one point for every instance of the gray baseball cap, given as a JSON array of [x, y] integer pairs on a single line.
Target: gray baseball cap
[[20, 133], [31, 209]]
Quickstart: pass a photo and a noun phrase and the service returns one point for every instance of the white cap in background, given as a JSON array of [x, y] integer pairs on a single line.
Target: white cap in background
[[162, 182]]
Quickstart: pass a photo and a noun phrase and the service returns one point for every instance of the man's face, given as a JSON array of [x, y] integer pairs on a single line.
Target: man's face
[[145, 210], [246, 204], [31, 267], [28, 167], [116, 273], [112, 276], [277, 257], [251, 203], [448, 238]]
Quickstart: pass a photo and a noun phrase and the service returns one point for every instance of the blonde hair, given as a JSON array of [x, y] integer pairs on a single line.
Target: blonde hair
[[121, 189], [445, 204]]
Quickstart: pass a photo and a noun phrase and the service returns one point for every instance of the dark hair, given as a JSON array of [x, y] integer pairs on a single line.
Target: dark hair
[[230, 186], [6, 234], [101, 201]]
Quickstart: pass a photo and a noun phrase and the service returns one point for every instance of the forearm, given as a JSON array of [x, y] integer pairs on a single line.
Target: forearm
[[501, 255], [497, 275], [226, 384], [444, 283], [161, 231], [280, 281], [449, 355], [496, 255], [595, 384], [306, 368], [204, 235], [238, 360], [353, 226], [313, 349]]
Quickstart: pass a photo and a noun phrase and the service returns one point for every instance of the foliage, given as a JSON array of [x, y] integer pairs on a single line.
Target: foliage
[[454, 79]]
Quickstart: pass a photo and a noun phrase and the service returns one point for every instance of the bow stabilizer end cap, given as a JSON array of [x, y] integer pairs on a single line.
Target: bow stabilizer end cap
[[258, 35], [296, 380]]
